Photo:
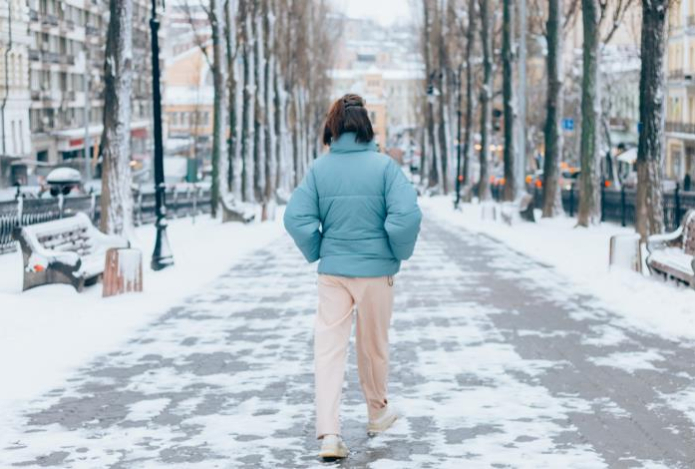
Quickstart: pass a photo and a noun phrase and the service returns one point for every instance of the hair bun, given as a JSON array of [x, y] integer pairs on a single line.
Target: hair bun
[[352, 101]]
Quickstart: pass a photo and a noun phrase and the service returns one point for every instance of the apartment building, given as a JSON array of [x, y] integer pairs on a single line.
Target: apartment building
[[188, 105], [383, 66], [15, 143], [63, 77], [680, 91]]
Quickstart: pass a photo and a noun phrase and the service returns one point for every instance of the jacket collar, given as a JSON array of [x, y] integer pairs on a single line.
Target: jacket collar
[[346, 144]]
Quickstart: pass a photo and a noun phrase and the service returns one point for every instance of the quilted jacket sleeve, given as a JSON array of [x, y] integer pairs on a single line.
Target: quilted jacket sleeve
[[302, 218], [403, 215]]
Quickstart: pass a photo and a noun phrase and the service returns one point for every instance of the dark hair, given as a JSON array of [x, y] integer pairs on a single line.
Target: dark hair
[[348, 114]]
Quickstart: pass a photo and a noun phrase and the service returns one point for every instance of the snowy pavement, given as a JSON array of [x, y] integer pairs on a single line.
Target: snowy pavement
[[497, 361]]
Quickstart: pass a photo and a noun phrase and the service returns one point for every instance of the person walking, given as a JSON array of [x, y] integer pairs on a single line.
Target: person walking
[[357, 213]]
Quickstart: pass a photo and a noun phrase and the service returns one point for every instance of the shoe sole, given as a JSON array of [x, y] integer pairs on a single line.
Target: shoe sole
[[374, 430], [333, 454]]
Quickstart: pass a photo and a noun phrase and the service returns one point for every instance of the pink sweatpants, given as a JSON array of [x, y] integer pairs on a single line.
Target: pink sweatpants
[[373, 298]]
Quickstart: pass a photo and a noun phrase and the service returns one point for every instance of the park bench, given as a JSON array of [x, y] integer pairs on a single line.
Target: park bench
[[237, 212], [522, 207], [70, 250], [671, 254]]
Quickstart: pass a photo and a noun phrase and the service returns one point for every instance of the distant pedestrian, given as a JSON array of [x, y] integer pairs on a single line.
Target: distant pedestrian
[[355, 211]]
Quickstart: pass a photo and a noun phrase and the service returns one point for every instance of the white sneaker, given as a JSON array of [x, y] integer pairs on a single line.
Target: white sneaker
[[332, 448], [383, 421]]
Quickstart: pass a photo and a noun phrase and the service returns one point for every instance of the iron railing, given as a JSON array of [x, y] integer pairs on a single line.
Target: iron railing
[[618, 206], [181, 202]]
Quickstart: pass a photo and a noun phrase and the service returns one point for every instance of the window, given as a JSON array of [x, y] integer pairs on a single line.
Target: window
[[42, 156], [14, 137], [21, 137]]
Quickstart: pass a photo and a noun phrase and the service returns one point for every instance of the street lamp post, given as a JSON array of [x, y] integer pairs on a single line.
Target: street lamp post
[[459, 176], [162, 256]]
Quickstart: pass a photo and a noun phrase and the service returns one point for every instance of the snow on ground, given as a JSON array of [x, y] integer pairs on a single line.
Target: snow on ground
[[47, 332], [581, 255]]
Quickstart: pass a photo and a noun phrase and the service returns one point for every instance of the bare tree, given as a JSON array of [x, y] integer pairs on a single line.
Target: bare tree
[[430, 155], [486, 95], [116, 197], [271, 163], [248, 108], [594, 13], [649, 209], [470, 100], [509, 100], [444, 96], [590, 193], [234, 99], [552, 198], [219, 185]]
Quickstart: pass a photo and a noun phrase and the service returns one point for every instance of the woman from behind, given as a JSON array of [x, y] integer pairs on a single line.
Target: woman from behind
[[357, 214]]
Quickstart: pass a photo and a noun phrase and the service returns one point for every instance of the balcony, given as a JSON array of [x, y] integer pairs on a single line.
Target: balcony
[[676, 74], [680, 127], [67, 26], [50, 57], [49, 20], [34, 55], [67, 59]]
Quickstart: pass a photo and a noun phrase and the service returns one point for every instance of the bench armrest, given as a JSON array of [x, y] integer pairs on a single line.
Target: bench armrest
[[656, 242]]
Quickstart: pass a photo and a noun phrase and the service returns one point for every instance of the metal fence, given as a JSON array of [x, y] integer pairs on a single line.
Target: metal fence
[[181, 202], [618, 206]]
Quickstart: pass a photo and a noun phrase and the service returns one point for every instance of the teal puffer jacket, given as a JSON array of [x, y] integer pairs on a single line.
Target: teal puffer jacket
[[355, 211]]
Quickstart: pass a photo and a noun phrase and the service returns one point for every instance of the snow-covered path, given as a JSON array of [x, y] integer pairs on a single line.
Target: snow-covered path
[[496, 362]]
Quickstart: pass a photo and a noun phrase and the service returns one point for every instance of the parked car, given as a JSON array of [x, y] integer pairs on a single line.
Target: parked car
[[568, 178]]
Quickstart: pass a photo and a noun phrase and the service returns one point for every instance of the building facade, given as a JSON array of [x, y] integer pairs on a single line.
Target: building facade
[[15, 100], [382, 65], [188, 105], [57, 63], [680, 91]]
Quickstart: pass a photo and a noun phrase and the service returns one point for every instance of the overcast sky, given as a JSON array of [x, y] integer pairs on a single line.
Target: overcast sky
[[384, 11]]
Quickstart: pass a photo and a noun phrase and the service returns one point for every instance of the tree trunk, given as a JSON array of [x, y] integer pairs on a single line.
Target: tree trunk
[[444, 121], [248, 131], [280, 131], [649, 209], [269, 88], [485, 98], [590, 191], [219, 86], [116, 196], [552, 196], [429, 160], [470, 101], [233, 148], [508, 97], [259, 106]]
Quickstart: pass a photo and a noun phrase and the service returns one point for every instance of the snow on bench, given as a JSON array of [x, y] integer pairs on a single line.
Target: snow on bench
[[235, 211], [70, 250], [672, 254]]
